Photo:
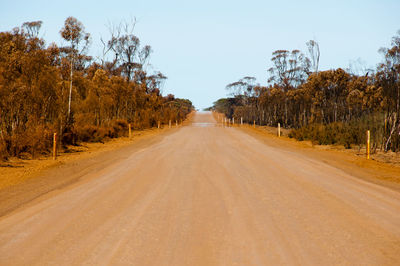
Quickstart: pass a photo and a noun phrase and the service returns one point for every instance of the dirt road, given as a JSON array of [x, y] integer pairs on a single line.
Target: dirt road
[[208, 195]]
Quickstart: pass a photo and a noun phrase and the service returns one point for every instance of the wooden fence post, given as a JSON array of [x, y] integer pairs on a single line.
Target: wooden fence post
[[254, 123], [169, 123], [55, 146], [368, 143], [158, 125], [241, 121], [130, 130]]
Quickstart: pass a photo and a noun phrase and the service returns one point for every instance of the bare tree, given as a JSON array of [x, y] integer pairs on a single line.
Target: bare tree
[[289, 70], [108, 46], [314, 53], [155, 81], [129, 57], [359, 68], [32, 28]]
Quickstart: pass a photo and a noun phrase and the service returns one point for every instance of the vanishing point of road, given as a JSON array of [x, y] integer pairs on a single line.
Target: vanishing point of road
[[208, 195]]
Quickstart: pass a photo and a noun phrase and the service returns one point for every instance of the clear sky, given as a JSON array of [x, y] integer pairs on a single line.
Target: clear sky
[[204, 45]]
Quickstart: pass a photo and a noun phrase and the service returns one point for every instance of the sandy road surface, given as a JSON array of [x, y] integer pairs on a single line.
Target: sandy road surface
[[208, 195]]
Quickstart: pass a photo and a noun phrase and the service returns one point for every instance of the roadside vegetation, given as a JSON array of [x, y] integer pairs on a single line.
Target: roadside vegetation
[[327, 107], [46, 89]]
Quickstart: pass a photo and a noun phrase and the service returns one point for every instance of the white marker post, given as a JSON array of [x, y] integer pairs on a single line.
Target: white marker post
[[241, 121], [279, 129]]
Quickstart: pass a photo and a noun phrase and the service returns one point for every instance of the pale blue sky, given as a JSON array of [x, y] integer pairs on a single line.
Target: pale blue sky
[[202, 46]]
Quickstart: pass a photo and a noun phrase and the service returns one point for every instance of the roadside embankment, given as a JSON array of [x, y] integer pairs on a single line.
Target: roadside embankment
[[382, 168], [21, 181]]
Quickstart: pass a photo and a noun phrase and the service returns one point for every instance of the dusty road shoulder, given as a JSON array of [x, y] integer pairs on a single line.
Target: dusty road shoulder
[[28, 180], [370, 170]]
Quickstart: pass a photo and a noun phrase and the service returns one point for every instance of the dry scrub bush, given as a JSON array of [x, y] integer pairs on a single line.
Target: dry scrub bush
[[37, 99], [346, 134]]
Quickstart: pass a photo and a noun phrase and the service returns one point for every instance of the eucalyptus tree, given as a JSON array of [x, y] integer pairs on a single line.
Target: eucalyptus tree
[[74, 33]]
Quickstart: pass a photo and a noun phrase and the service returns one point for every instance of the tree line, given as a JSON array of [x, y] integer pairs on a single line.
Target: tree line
[[62, 89], [327, 107]]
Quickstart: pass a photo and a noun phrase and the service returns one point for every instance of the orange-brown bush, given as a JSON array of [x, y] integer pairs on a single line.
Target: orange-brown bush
[[332, 106], [91, 133], [35, 93]]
